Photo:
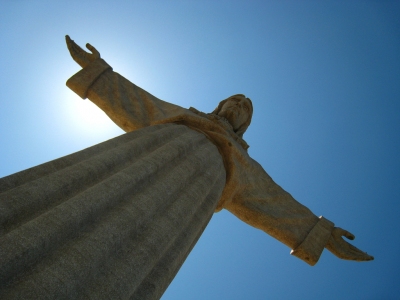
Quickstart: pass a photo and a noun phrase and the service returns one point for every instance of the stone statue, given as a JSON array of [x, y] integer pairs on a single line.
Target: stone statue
[[117, 220], [249, 192]]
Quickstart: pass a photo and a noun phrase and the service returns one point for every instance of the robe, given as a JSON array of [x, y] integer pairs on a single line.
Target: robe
[[248, 192]]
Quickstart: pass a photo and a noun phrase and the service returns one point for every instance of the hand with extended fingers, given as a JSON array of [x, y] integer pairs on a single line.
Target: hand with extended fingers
[[342, 249], [82, 57]]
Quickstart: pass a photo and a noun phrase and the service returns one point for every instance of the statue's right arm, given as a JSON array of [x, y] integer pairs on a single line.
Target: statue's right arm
[[129, 106]]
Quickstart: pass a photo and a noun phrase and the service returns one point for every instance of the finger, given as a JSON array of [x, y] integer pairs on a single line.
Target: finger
[[342, 232], [353, 253], [68, 41], [73, 47], [360, 256], [93, 50], [349, 235], [344, 250], [365, 257]]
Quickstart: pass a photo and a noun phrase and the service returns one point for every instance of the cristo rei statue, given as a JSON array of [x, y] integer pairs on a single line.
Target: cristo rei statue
[[117, 220]]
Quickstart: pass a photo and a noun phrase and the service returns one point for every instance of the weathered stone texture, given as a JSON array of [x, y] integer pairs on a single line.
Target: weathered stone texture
[[114, 221]]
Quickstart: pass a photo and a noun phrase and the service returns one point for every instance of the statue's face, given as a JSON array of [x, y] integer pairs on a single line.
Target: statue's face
[[236, 110]]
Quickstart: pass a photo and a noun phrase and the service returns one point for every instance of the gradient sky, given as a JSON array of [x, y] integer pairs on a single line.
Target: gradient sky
[[324, 78]]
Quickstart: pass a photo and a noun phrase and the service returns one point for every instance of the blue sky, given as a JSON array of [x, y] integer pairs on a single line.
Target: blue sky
[[324, 80]]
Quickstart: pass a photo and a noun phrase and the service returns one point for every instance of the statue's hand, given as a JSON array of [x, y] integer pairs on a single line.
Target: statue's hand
[[79, 55], [343, 249]]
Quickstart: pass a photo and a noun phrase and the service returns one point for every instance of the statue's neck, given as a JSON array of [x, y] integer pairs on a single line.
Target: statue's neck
[[224, 123]]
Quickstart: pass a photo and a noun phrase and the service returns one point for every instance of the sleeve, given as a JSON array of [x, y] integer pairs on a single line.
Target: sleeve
[[127, 105], [265, 205]]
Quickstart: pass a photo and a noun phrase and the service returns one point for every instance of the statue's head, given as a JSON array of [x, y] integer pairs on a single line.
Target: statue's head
[[238, 110]]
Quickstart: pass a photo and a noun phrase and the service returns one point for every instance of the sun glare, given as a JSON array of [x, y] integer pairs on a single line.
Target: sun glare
[[91, 114], [86, 116]]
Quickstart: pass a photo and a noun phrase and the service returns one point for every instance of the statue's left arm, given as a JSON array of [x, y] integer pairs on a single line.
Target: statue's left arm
[[265, 205]]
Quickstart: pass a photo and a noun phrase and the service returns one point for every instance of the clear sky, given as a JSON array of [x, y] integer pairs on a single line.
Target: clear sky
[[324, 78]]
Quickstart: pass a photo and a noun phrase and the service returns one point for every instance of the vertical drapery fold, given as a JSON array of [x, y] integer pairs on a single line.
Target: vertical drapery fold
[[114, 221]]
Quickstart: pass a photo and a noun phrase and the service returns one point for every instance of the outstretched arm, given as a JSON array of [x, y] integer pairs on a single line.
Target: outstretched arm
[[265, 205], [127, 105]]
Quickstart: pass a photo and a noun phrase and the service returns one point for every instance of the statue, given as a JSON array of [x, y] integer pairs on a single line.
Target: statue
[[250, 193], [118, 219]]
